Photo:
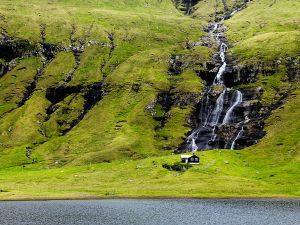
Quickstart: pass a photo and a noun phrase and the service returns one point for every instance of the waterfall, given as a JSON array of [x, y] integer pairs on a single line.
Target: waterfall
[[218, 110], [214, 28], [240, 8], [237, 137], [238, 100], [192, 139], [223, 49], [218, 78], [234, 12], [188, 8], [194, 146], [217, 107]]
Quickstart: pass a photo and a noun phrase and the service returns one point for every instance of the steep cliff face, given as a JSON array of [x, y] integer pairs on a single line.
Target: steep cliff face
[[80, 80]]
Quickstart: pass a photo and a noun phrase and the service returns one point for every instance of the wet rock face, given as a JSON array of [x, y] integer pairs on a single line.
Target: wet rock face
[[237, 74], [253, 125], [208, 74], [186, 99], [250, 114]]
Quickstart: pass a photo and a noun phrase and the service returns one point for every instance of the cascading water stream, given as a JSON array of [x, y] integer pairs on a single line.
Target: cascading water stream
[[189, 8], [216, 113], [187, 5], [236, 138], [238, 100], [218, 78]]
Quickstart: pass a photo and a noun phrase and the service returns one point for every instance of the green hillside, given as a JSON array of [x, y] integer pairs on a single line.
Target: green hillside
[[145, 34], [90, 106]]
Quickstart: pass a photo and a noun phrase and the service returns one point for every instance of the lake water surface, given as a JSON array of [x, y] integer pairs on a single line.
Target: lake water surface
[[154, 212]]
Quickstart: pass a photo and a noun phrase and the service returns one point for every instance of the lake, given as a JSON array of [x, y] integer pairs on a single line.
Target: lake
[[154, 212]]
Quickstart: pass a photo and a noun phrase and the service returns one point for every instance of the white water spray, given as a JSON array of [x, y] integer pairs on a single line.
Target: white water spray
[[215, 116], [219, 78], [239, 135], [238, 100], [192, 138]]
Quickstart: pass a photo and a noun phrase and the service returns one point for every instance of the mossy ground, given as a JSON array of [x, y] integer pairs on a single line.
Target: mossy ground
[[116, 150]]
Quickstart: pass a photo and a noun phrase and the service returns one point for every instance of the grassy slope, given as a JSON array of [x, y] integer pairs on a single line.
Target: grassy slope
[[268, 169], [267, 33], [146, 34]]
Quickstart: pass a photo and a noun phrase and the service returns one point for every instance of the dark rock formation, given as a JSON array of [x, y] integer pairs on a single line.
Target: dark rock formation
[[57, 94], [11, 49], [162, 106], [185, 5], [176, 65], [49, 50]]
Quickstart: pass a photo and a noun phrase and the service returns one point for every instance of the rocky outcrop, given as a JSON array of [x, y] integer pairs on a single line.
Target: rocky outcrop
[[161, 107], [176, 65], [11, 49]]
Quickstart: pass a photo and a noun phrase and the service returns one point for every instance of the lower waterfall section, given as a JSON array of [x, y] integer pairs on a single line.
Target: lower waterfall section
[[225, 110]]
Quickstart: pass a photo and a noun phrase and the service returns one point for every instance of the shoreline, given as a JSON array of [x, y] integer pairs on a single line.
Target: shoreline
[[95, 198]]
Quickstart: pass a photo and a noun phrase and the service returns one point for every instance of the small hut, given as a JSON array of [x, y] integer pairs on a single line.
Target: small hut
[[190, 159]]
